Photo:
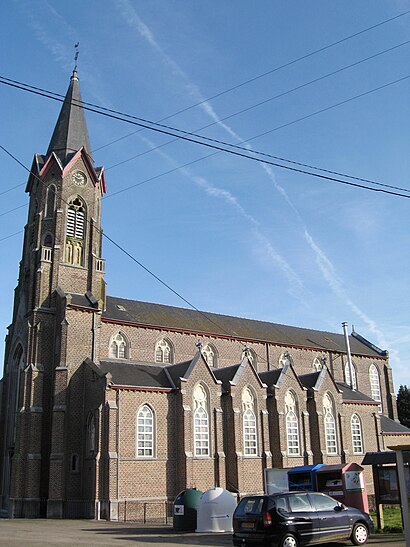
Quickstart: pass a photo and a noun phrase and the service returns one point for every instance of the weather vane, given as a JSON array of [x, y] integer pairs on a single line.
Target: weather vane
[[76, 54]]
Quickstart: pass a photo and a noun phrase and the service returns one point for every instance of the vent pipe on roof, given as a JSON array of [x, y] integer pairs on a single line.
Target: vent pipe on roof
[[349, 355]]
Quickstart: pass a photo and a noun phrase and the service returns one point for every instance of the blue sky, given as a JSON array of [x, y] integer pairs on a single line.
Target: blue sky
[[231, 235]]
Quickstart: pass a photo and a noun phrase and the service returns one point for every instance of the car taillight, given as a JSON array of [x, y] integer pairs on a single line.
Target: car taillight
[[267, 519]]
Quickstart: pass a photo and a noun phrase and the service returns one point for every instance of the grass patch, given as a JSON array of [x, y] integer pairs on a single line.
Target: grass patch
[[392, 520]]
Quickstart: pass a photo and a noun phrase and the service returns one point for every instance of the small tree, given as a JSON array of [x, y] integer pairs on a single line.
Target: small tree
[[403, 405]]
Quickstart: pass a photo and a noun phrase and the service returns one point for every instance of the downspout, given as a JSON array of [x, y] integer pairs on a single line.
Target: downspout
[[118, 447], [93, 339], [349, 355]]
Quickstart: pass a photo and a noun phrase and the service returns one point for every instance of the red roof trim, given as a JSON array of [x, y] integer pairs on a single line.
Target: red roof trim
[[352, 402], [138, 388], [84, 156], [220, 336], [396, 433]]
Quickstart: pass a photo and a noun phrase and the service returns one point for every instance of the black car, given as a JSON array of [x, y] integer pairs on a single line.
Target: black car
[[293, 519]]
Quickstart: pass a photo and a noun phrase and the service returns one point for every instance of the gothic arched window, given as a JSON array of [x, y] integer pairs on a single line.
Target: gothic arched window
[[250, 435], [118, 347], [50, 201], [210, 355], [330, 424], [317, 364], [285, 359], [292, 424], [352, 383], [201, 422], [75, 232], [163, 352], [145, 432], [91, 434], [357, 438], [375, 385], [252, 357]]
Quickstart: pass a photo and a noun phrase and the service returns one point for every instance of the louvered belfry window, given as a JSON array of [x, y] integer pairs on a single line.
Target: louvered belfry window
[[75, 232], [75, 219]]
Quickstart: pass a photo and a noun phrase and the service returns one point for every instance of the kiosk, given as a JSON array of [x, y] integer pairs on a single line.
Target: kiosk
[[303, 477], [345, 483]]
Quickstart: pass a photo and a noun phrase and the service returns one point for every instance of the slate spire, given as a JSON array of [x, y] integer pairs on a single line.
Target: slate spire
[[70, 132]]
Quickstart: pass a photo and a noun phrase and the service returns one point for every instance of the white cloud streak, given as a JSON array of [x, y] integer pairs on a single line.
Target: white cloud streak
[[325, 266]]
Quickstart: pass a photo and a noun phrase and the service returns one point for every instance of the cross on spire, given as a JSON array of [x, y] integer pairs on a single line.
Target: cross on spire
[[76, 46]]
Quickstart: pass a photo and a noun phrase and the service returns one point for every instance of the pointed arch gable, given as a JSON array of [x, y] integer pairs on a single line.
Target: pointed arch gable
[[199, 360], [246, 365]]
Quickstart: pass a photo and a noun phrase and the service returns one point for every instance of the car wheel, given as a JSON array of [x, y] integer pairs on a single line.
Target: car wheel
[[289, 540], [360, 534]]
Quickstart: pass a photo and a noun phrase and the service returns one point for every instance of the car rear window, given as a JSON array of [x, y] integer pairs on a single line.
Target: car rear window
[[250, 506]]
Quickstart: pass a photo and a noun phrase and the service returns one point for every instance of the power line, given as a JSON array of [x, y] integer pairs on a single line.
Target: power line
[[271, 71], [132, 257], [220, 145]]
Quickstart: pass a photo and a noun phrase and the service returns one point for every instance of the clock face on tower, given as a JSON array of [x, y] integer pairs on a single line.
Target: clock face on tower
[[79, 178]]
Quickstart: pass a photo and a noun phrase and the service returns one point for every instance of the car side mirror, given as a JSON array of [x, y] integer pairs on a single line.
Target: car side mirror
[[339, 508]]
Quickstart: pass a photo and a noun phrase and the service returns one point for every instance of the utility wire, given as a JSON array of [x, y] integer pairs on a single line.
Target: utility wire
[[271, 71], [132, 257], [221, 145], [250, 108]]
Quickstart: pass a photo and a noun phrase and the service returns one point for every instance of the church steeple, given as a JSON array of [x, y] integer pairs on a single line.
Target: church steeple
[[70, 132]]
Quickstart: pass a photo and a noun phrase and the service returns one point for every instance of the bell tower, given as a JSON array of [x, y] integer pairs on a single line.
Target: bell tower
[[61, 257]]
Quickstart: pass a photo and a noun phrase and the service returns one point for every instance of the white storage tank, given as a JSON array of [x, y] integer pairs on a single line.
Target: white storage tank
[[215, 511]]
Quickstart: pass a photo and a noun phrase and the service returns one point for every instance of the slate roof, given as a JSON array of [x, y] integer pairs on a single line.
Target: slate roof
[[309, 380], [390, 426], [170, 317], [379, 458], [226, 374], [350, 394], [70, 132], [270, 377], [129, 373]]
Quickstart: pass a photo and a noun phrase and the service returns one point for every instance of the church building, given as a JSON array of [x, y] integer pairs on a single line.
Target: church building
[[111, 407]]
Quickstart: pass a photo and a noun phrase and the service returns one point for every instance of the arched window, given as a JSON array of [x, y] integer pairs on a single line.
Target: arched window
[[50, 201], [375, 385], [285, 359], [91, 435], [75, 232], [163, 352], [18, 366], [145, 432], [210, 356], [118, 347], [250, 438], [317, 364], [76, 218], [201, 422], [330, 425], [347, 376], [33, 228], [292, 424], [251, 355], [357, 438]]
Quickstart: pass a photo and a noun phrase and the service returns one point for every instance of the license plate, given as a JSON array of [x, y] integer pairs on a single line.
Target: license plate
[[247, 525]]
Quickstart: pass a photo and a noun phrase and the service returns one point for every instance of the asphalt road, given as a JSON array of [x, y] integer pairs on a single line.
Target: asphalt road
[[39, 532]]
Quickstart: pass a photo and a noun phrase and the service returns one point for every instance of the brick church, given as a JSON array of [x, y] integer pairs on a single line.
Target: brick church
[[112, 406]]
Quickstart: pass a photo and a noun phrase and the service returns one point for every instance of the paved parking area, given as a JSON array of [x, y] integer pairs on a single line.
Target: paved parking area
[[39, 532]]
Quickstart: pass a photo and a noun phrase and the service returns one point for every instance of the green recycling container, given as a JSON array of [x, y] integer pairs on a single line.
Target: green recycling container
[[185, 510]]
